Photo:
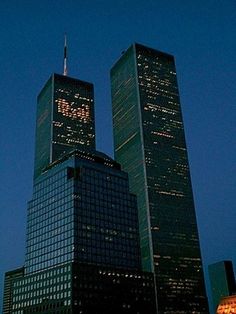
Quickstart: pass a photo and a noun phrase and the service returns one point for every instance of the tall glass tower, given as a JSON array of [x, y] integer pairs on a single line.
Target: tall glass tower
[[65, 119], [82, 243], [150, 145]]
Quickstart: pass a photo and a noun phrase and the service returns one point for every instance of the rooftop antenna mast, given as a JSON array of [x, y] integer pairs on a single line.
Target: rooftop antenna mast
[[65, 58]]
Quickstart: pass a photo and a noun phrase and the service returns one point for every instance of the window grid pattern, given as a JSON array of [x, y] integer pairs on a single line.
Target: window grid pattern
[[128, 142], [43, 292], [149, 87], [176, 251], [65, 119], [73, 115], [82, 211], [50, 223], [106, 222]]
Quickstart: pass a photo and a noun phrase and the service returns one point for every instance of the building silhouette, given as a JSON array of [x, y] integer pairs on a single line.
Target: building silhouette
[[82, 243], [150, 145]]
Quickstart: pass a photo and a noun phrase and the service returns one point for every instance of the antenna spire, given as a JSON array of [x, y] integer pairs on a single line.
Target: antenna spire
[[65, 58]]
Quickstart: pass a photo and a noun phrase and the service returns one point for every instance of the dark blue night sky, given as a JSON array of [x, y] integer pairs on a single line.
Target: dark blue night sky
[[201, 36]]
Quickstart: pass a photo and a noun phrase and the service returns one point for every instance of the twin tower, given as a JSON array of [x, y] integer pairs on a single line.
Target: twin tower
[[107, 236]]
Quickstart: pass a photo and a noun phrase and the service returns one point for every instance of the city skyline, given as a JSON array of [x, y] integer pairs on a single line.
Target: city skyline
[[205, 91], [82, 236]]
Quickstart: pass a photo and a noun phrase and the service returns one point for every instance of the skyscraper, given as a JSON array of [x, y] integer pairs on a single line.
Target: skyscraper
[[82, 250], [150, 145], [82, 244], [65, 119]]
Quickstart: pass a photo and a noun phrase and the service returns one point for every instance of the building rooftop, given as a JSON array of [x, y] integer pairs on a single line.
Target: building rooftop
[[88, 154]]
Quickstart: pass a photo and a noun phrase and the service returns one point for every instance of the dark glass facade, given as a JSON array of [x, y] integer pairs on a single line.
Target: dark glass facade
[[9, 280], [104, 290], [47, 291], [150, 145], [65, 119], [82, 211], [82, 250], [83, 288]]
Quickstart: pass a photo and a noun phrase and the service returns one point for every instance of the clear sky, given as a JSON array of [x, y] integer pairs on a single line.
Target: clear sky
[[201, 36]]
